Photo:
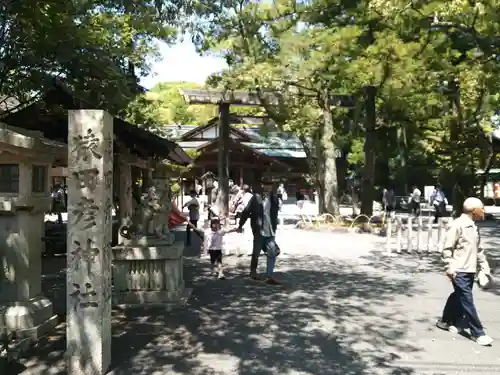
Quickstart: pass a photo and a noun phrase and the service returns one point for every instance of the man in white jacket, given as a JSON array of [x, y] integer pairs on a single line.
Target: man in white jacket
[[463, 255]]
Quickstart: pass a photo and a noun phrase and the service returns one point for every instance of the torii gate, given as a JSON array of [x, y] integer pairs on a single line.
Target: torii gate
[[224, 100], [240, 98]]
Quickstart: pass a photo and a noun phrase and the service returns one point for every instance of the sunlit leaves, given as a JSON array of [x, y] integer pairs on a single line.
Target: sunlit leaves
[[89, 45]]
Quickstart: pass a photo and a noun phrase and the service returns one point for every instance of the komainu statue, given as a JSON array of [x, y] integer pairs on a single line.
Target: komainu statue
[[152, 211]]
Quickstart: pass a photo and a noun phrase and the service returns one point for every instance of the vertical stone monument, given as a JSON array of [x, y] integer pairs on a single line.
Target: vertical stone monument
[[90, 185]]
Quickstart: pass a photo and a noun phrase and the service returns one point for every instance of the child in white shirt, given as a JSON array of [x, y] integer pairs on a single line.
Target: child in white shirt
[[213, 243]]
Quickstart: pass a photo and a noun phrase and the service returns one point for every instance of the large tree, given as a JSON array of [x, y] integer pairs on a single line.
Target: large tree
[[91, 46], [312, 53], [425, 75]]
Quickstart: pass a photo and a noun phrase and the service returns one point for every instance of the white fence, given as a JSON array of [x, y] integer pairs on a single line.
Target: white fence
[[416, 234]]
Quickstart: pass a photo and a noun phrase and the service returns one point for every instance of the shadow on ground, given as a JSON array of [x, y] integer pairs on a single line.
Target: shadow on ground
[[328, 318]]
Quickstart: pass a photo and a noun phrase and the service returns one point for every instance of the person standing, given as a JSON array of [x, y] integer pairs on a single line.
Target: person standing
[[198, 188], [213, 199], [439, 201], [281, 193], [194, 215], [241, 200], [415, 201], [301, 198], [389, 200], [262, 210], [463, 255], [59, 200], [240, 203]]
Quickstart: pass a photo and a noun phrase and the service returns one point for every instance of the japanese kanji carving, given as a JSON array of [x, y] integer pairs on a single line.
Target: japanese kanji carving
[[86, 146]]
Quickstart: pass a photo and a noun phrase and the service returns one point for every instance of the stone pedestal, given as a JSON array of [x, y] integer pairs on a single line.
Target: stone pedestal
[[90, 192], [149, 272]]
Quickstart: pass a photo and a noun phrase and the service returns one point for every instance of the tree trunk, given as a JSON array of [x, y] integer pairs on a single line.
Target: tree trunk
[[326, 164], [489, 159], [403, 153], [484, 180], [223, 160], [370, 151]]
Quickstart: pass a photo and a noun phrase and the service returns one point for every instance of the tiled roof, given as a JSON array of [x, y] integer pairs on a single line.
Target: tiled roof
[[270, 142], [277, 152], [192, 144], [175, 131], [255, 131]]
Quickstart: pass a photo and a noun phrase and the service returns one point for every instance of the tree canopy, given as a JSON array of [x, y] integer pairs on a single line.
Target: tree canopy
[[424, 74], [98, 48]]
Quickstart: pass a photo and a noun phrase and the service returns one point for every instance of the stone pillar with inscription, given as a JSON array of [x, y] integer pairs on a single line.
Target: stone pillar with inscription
[[90, 193]]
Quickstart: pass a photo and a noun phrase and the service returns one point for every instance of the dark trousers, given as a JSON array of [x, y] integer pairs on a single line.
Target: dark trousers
[[215, 256], [415, 208], [439, 210], [189, 229], [460, 310]]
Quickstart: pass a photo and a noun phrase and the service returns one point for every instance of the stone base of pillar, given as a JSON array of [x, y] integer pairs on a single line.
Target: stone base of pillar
[[149, 275], [31, 319]]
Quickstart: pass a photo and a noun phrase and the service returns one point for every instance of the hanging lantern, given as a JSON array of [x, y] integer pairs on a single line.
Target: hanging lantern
[[209, 180]]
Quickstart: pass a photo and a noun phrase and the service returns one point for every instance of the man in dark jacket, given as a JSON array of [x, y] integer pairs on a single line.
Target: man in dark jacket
[[262, 209]]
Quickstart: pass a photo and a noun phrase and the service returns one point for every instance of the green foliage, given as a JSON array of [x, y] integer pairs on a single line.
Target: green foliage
[[164, 105], [178, 170], [98, 48], [434, 65], [175, 188]]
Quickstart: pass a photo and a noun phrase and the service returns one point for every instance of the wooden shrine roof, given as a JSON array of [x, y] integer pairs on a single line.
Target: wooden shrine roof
[[49, 115], [238, 147], [213, 122]]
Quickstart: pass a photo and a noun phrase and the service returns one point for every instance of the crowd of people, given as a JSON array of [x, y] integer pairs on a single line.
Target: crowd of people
[[258, 205], [464, 259], [437, 200]]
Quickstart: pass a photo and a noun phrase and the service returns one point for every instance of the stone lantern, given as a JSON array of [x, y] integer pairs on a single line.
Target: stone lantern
[[25, 161]]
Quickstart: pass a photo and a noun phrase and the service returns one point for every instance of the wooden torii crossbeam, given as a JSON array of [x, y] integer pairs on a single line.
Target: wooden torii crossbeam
[[239, 98]]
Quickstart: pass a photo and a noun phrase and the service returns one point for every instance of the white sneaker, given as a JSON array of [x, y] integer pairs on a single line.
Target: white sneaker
[[484, 340], [454, 329]]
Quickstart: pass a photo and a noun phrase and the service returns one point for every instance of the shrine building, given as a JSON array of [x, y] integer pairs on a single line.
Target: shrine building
[[258, 151]]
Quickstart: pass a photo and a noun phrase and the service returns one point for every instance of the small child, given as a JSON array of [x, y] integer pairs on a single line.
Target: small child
[[213, 243]]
